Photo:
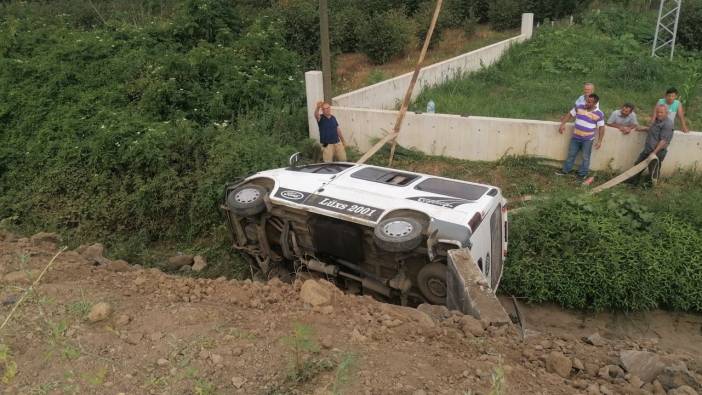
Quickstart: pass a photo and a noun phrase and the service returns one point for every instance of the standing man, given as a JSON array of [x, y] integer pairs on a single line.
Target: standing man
[[330, 136], [588, 88], [624, 119], [674, 107], [660, 134], [588, 119]]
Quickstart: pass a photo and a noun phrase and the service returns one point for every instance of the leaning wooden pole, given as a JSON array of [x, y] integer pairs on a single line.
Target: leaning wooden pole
[[408, 96]]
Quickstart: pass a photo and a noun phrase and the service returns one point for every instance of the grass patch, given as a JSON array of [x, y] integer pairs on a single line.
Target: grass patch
[[8, 366], [541, 78], [621, 250]]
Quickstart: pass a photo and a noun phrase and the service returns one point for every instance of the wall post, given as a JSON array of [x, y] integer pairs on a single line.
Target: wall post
[[314, 88], [527, 24]]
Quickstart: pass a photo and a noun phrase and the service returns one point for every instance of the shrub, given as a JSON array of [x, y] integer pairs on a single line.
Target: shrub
[[126, 135], [385, 36], [300, 27], [343, 28], [639, 71], [455, 12], [504, 14], [606, 252], [690, 24], [555, 9], [616, 21], [480, 9], [207, 20], [423, 18]]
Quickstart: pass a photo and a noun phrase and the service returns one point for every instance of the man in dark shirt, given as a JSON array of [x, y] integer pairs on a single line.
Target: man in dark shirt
[[660, 134], [330, 136]]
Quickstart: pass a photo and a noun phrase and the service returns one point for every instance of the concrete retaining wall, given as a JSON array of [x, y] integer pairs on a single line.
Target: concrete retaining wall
[[389, 93], [488, 139]]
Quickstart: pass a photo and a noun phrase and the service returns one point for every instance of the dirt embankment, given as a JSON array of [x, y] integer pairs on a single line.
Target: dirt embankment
[[103, 327]]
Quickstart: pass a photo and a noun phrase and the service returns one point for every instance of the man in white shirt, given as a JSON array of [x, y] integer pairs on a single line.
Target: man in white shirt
[[588, 88]]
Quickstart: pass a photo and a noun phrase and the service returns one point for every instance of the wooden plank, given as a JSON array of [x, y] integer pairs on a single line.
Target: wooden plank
[[408, 95]]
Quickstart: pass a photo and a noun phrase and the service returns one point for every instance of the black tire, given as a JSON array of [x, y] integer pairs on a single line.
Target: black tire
[[431, 281], [399, 234], [247, 200]]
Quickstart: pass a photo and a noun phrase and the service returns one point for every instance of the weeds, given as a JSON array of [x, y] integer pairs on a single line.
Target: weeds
[[376, 76], [304, 361], [343, 373], [499, 382], [96, 378], [204, 387], [80, 308], [301, 344], [45, 388], [617, 251], [8, 365]]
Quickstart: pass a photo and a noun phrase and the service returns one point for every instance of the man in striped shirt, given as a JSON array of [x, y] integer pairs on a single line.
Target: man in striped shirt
[[589, 120]]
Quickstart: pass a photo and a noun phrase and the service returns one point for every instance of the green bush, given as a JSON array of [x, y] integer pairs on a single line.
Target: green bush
[[300, 27], [616, 21], [690, 25], [127, 134], [423, 19], [609, 252], [455, 12], [639, 71], [555, 9], [343, 27], [480, 9], [207, 20], [384, 36], [505, 14]]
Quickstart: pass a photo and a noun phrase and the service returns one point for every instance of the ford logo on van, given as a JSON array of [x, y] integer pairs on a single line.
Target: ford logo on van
[[292, 195]]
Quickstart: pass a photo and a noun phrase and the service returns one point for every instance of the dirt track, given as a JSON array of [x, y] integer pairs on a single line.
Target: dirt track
[[168, 334]]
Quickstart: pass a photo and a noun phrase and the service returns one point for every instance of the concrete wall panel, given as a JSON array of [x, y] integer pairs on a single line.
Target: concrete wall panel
[[488, 139]]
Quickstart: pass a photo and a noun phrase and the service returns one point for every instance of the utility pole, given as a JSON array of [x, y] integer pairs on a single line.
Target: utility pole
[[326, 57], [666, 28]]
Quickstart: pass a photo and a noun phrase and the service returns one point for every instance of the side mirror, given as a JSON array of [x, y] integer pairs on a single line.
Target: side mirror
[[294, 158]]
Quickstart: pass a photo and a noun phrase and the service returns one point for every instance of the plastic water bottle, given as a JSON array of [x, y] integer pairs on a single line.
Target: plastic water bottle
[[431, 107]]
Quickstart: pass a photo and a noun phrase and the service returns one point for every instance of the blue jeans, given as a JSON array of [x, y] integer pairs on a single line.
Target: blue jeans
[[576, 146]]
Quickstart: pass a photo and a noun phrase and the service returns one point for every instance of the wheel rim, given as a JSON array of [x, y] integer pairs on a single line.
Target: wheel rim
[[398, 228], [248, 195], [437, 287]]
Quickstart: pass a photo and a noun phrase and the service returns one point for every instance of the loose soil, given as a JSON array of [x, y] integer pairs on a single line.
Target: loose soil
[[172, 334]]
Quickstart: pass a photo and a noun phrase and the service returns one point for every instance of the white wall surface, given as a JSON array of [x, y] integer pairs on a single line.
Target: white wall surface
[[488, 139]]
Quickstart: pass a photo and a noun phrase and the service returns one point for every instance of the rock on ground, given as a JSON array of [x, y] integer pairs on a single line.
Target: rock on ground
[[595, 339], [407, 314], [99, 312], [118, 266], [95, 254], [471, 326], [44, 237], [199, 263], [677, 376], [175, 262], [436, 312], [644, 364], [316, 293], [558, 363], [683, 390]]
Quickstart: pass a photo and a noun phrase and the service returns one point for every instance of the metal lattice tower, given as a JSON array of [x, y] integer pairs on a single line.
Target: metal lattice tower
[[666, 28]]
